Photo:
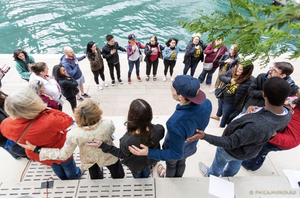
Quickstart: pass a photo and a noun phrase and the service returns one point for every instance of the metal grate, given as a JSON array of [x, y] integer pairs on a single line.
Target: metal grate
[[61, 189], [116, 188], [40, 172]]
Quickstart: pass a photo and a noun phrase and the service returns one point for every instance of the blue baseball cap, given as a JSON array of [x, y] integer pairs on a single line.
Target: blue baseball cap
[[189, 87]]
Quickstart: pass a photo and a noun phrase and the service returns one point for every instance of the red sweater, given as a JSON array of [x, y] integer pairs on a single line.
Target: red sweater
[[210, 54], [48, 131], [289, 137]]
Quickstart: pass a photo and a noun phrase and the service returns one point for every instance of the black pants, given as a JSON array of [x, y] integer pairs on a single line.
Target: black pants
[[111, 70], [148, 67], [72, 102], [16, 151], [169, 63], [175, 168], [116, 170], [97, 73]]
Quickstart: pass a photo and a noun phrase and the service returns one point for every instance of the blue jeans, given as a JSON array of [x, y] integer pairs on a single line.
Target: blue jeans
[[66, 170], [137, 67], [142, 174], [225, 109], [221, 159], [193, 67], [209, 75], [255, 163]]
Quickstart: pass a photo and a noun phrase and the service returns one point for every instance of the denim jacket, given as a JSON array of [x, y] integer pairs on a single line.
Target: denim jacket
[[167, 52]]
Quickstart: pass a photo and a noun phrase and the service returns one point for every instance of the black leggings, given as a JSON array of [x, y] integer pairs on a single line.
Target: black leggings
[[72, 102], [148, 67], [169, 63], [97, 73], [116, 170]]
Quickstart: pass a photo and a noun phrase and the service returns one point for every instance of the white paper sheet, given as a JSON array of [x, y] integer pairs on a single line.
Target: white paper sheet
[[293, 177], [221, 187]]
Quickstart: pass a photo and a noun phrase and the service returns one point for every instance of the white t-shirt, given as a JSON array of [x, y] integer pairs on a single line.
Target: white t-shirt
[[135, 56]]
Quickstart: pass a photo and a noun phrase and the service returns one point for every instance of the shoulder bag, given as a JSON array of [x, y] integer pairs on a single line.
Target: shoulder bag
[[209, 66], [219, 92]]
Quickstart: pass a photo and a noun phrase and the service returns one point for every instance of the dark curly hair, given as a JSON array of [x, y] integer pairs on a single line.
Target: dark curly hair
[[17, 52], [170, 40]]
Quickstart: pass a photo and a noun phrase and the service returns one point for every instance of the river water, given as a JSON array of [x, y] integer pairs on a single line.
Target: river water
[[43, 26]]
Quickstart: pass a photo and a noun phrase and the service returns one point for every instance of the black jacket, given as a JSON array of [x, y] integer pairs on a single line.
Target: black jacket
[[112, 59], [240, 93], [230, 65], [133, 162], [190, 51], [147, 51], [256, 89], [68, 87]]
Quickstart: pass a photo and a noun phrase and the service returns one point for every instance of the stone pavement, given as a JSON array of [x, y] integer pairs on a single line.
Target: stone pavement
[[115, 103]]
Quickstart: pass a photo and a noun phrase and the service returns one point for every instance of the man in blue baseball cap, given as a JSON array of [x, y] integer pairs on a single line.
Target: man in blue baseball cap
[[191, 113]]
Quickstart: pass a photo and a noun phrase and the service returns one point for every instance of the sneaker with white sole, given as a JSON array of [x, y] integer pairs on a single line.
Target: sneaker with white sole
[[80, 99], [164, 79], [171, 78], [85, 95], [120, 81], [203, 169], [113, 82], [105, 84], [99, 87]]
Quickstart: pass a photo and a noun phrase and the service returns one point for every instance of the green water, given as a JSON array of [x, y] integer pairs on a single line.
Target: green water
[[40, 26]]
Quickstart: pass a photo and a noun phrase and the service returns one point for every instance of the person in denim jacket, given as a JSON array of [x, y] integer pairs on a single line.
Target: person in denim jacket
[[170, 56]]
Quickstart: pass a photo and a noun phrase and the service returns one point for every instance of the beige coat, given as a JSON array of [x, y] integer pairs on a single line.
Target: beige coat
[[88, 155]]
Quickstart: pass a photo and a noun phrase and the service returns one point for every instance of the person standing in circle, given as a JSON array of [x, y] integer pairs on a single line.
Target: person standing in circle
[[193, 54], [170, 56], [110, 53], [22, 61], [93, 53], [133, 55], [213, 55], [153, 52]]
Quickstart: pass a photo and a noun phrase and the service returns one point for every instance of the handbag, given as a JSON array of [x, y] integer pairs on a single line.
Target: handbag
[[209, 66], [219, 92]]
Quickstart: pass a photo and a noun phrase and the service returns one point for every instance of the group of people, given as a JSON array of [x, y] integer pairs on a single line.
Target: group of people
[[153, 50], [260, 114]]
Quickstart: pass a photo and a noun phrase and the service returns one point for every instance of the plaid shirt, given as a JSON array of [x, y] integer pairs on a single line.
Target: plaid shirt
[[130, 51]]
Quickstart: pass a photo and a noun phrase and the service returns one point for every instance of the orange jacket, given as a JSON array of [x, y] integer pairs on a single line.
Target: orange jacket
[[48, 131]]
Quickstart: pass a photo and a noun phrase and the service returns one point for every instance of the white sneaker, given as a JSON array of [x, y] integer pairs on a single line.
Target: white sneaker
[[171, 78], [203, 169], [105, 84], [164, 79], [99, 87], [212, 90]]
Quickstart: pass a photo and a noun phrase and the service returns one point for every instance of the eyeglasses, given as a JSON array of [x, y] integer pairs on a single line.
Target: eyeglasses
[[274, 71]]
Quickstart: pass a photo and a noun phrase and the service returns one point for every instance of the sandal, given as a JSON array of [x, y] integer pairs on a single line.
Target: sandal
[[215, 117], [161, 171]]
